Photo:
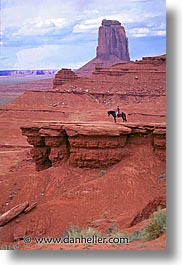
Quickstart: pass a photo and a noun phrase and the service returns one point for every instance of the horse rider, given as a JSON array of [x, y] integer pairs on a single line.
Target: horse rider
[[117, 111]]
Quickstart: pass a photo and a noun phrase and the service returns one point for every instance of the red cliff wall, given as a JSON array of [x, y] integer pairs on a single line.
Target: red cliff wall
[[92, 145]]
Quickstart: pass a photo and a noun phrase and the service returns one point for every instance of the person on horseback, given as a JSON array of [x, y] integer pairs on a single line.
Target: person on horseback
[[117, 111]]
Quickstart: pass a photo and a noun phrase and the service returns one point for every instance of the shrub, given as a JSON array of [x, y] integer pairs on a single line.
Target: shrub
[[101, 173], [137, 235], [151, 231], [84, 232], [163, 176], [158, 225], [113, 229]]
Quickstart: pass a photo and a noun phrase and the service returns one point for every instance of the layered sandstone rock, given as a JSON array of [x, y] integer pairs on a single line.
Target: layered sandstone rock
[[153, 65], [112, 47], [112, 41], [64, 75], [154, 60], [139, 81], [92, 145]]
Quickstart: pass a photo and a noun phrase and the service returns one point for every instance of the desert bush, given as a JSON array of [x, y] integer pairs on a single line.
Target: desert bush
[[101, 173], [135, 236], [163, 176], [151, 231], [113, 229], [158, 225], [82, 232]]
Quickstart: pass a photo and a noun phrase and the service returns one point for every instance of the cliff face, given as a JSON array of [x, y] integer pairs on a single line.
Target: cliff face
[[112, 47], [92, 145]]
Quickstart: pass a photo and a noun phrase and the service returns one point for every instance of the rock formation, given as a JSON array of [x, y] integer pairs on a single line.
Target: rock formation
[[92, 145], [64, 75], [12, 213], [140, 81], [112, 41], [112, 47]]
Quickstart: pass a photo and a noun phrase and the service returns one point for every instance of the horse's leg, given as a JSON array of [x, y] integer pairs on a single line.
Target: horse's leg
[[115, 119], [124, 117]]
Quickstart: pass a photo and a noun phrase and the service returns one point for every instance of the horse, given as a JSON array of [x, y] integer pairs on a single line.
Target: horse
[[113, 113]]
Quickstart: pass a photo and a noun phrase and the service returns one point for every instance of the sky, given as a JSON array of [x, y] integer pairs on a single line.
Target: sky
[[51, 34]]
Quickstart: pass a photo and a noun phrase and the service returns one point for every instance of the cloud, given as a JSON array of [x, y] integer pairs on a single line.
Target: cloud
[[54, 56], [59, 18], [33, 27], [40, 27], [88, 25], [38, 23]]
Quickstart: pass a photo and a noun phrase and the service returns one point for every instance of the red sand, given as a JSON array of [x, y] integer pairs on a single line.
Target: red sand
[[68, 195]]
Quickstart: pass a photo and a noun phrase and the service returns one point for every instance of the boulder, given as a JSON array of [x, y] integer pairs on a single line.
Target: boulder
[[12, 213]]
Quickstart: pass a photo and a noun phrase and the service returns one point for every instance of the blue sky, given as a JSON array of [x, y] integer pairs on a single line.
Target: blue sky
[[51, 34]]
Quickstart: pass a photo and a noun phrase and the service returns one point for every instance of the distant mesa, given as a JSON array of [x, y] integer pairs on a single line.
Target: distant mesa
[[112, 48], [27, 72], [123, 76], [62, 76]]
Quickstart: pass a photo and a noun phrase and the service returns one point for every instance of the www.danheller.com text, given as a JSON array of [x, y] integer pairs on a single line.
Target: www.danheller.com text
[[76, 240]]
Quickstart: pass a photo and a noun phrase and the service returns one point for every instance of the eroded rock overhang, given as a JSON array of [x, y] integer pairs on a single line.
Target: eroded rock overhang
[[92, 145]]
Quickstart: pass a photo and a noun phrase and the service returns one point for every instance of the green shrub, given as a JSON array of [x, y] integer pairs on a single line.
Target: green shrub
[[158, 225], [84, 232], [135, 236], [151, 231], [101, 173], [112, 229]]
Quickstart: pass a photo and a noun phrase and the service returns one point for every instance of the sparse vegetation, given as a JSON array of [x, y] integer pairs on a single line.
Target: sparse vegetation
[[135, 236], [154, 229], [101, 173], [158, 225], [74, 232], [150, 232], [113, 229], [163, 176], [6, 247]]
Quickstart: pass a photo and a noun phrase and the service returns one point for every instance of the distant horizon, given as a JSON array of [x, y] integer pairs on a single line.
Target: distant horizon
[[55, 69], [59, 34]]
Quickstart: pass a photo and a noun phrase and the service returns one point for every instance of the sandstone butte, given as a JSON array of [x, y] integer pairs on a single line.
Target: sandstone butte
[[75, 164], [112, 47]]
